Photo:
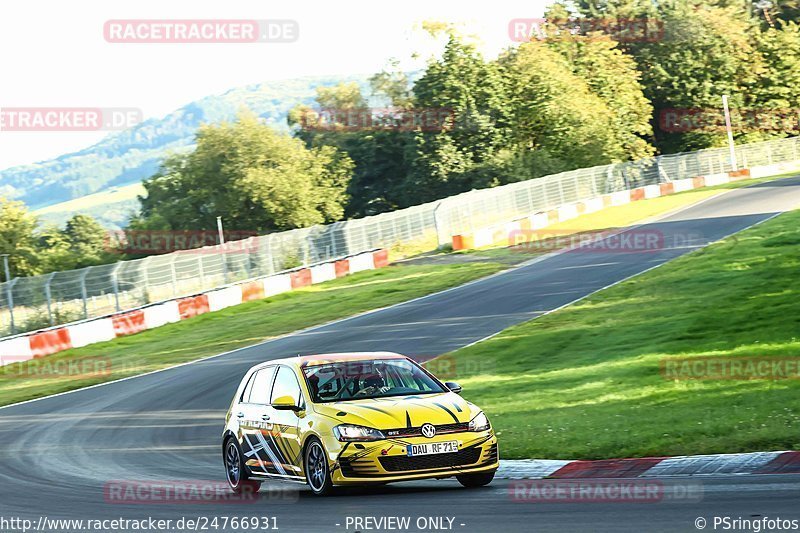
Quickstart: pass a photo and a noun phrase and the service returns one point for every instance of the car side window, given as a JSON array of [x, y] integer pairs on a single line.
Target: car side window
[[286, 385], [262, 383], [245, 397]]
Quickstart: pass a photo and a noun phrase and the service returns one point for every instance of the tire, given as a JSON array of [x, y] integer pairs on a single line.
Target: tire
[[315, 466], [235, 470], [476, 480]]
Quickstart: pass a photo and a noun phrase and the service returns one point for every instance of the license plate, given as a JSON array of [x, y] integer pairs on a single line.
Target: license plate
[[431, 448]]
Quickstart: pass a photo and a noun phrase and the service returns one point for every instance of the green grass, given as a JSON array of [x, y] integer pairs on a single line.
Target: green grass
[[98, 199], [253, 322], [235, 327], [585, 383]]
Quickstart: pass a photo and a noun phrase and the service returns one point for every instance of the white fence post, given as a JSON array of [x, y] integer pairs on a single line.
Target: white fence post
[[83, 292], [49, 298], [115, 284]]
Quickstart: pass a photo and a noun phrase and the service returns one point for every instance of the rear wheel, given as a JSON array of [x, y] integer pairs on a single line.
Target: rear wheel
[[235, 470], [476, 480], [318, 474]]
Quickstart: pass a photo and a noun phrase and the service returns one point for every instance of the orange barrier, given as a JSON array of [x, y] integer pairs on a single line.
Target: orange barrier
[[128, 323], [699, 182], [252, 291], [300, 278], [342, 268], [49, 342], [462, 242], [381, 258], [552, 216], [637, 194], [193, 306], [742, 173], [667, 188]]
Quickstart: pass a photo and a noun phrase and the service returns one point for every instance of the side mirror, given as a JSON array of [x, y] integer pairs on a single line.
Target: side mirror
[[453, 386], [285, 403]]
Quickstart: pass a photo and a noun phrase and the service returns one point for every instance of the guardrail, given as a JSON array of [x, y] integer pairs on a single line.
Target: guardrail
[[76, 335], [36, 302]]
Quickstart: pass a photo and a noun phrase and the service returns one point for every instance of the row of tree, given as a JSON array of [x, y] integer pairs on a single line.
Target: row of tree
[[575, 98], [35, 250]]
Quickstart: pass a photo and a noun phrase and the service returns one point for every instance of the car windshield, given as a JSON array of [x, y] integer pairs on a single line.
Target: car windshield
[[355, 380]]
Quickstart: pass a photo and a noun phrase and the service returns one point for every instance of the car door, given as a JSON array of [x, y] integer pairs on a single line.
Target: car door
[[286, 430], [254, 415]]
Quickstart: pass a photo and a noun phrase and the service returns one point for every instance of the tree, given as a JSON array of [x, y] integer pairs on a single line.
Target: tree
[[705, 50], [18, 238], [394, 85], [777, 11], [611, 75], [469, 152], [256, 178], [88, 241], [560, 124], [380, 155], [58, 254], [776, 93]]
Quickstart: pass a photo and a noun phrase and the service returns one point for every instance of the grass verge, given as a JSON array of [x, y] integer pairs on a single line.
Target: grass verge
[[586, 382], [253, 322]]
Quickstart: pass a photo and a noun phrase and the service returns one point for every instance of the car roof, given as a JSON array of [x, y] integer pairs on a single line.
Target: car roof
[[326, 358]]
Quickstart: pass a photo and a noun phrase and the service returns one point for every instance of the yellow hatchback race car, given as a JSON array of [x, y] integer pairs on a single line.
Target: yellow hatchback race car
[[344, 419]]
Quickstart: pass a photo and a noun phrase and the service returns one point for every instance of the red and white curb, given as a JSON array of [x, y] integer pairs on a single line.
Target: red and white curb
[[52, 340], [784, 462]]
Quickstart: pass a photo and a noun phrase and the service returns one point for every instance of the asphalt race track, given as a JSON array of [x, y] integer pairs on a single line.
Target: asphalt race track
[[57, 454]]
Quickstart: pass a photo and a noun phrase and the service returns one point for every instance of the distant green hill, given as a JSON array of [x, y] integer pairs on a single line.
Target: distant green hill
[[127, 157]]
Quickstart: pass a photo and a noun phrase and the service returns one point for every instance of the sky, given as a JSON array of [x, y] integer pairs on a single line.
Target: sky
[[55, 54]]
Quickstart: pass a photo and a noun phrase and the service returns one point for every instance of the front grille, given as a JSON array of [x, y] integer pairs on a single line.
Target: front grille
[[417, 432], [400, 463]]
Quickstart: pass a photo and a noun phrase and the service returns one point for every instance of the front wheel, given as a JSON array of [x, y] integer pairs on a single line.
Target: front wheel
[[476, 480], [318, 474], [235, 470]]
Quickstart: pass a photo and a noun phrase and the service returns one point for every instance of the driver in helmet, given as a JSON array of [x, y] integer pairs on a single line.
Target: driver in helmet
[[373, 384]]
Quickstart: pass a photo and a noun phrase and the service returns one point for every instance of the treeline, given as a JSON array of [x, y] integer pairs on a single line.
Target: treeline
[[573, 98], [570, 97], [34, 249]]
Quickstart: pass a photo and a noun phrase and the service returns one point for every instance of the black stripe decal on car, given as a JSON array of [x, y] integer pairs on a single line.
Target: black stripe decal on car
[[449, 412]]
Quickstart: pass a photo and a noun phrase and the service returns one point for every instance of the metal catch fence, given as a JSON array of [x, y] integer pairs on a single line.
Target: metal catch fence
[[36, 302]]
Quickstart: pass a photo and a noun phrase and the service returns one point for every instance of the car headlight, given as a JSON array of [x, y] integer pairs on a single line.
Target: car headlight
[[479, 423], [350, 433]]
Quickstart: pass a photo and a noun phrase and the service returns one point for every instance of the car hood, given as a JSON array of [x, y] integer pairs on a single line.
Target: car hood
[[401, 411]]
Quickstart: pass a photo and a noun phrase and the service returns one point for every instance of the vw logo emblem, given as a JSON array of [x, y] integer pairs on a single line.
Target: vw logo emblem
[[428, 430]]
